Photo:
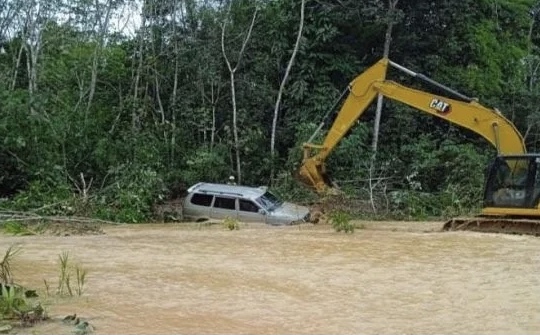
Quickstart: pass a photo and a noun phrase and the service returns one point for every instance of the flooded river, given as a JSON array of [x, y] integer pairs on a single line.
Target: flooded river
[[398, 278]]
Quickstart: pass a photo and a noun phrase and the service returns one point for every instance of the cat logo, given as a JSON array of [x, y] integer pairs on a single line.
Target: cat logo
[[440, 106]]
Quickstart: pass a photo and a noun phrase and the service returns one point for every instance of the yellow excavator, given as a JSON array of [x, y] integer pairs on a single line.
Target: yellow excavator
[[511, 202]]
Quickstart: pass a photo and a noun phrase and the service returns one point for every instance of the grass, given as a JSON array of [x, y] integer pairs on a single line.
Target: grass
[[17, 228], [64, 279], [47, 287], [81, 279], [341, 221], [6, 274]]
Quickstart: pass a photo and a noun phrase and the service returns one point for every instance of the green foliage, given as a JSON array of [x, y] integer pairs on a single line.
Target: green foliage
[[206, 165], [130, 198], [13, 298], [434, 163], [350, 161], [454, 200], [11, 302], [44, 197], [442, 178], [341, 221], [16, 228], [157, 110], [302, 132], [15, 301], [289, 189]]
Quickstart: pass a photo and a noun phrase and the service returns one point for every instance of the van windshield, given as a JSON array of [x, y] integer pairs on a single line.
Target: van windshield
[[269, 201]]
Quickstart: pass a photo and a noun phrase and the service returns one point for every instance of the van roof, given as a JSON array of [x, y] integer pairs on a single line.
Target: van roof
[[225, 189]]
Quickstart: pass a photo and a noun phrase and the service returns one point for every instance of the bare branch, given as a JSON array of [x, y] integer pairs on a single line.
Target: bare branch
[[386, 52], [232, 79], [247, 38], [223, 38], [282, 85]]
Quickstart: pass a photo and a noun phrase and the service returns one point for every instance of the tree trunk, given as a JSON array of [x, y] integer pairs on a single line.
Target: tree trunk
[[104, 27], [386, 52], [158, 98], [233, 90], [532, 66], [282, 87], [33, 49], [174, 97], [16, 69], [235, 130], [11, 10], [135, 109], [214, 100]]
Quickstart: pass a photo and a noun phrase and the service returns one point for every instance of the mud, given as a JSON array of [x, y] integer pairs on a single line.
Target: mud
[[399, 278]]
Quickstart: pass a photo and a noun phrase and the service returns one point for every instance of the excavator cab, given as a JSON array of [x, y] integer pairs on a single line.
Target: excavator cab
[[513, 182], [511, 198]]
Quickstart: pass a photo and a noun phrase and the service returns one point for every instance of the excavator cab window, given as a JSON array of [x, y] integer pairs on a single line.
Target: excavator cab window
[[513, 182]]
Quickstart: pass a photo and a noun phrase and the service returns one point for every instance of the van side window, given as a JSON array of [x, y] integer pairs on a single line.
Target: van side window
[[201, 199], [225, 203], [248, 206]]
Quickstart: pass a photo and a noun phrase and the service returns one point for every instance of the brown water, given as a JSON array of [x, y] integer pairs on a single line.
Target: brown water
[[387, 278]]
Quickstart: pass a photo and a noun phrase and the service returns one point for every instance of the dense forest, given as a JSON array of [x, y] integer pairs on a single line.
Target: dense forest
[[110, 106]]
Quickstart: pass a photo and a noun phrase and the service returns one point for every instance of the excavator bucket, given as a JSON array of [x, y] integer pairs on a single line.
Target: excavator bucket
[[302, 176], [314, 176], [494, 225]]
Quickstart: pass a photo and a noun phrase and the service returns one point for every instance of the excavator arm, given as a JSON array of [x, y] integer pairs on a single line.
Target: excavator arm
[[466, 112]]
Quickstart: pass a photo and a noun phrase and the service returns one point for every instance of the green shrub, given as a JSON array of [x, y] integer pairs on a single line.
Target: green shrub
[[16, 228], [206, 165], [43, 198], [11, 302], [453, 200], [131, 196], [341, 221]]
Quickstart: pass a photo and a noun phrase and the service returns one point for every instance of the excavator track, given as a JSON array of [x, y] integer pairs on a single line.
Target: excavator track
[[503, 225]]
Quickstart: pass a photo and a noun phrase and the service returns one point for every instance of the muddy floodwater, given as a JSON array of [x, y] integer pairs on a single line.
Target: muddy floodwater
[[392, 278]]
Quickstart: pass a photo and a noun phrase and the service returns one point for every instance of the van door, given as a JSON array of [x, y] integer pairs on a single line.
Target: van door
[[224, 207], [248, 211], [197, 206]]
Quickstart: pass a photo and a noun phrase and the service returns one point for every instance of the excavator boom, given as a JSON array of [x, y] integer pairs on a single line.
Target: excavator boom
[[489, 123], [460, 110]]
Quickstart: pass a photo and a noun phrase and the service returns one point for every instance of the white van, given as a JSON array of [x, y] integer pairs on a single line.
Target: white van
[[246, 204]]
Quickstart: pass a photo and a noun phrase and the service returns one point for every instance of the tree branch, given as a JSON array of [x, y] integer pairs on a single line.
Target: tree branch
[[282, 85]]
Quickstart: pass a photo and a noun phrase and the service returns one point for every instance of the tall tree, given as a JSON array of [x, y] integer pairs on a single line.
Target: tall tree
[[102, 19], [386, 54], [282, 86], [232, 72]]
